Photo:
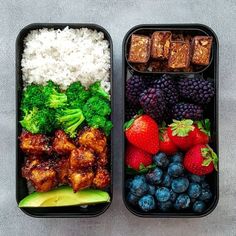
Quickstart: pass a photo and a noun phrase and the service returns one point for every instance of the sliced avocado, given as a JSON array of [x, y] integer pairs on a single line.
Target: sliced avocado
[[64, 196]]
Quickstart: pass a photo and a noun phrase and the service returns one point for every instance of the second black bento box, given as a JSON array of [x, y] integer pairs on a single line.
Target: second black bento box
[[144, 34], [21, 183]]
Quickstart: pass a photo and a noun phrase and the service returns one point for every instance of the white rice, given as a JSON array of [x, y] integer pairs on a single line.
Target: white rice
[[66, 56]]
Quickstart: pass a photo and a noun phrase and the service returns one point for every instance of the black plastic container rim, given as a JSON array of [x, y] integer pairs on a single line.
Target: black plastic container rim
[[152, 27], [124, 74], [34, 26]]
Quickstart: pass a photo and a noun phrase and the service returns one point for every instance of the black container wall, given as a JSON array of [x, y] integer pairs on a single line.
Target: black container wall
[[21, 185], [212, 110]]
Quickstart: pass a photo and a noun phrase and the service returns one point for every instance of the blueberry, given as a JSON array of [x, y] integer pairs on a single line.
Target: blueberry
[[199, 206], [161, 160], [173, 195], [178, 157], [182, 202], [180, 185], [132, 199], [175, 169], [196, 178], [166, 181], [154, 177], [205, 195], [162, 194], [194, 190], [165, 206], [138, 186], [147, 203], [151, 189]]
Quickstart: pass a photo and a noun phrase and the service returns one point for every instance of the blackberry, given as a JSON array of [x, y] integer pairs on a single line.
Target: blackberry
[[187, 111], [152, 101], [196, 89], [134, 87], [131, 110], [168, 86]]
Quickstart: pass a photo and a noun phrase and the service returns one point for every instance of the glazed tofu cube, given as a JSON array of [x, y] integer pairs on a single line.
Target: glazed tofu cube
[[179, 57], [139, 51], [201, 50], [160, 44]]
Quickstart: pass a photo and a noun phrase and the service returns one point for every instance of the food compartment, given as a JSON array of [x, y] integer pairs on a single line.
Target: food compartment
[[194, 57], [161, 143], [66, 147]]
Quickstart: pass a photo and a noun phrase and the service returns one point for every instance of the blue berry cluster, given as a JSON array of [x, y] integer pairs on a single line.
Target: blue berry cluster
[[168, 187]]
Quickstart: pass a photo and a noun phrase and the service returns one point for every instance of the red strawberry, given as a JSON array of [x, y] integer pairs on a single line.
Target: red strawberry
[[200, 160], [166, 145], [201, 134], [142, 132], [179, 133], [136, 158]]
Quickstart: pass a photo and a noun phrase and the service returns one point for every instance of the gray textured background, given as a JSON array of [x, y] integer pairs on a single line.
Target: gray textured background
[[118, 17]]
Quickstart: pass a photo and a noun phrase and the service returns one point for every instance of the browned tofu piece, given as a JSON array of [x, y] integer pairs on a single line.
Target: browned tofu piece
[[102, 178], [81, 158], [201, 50], [179, 57], [160, 44], [80, 179], [139, 51]]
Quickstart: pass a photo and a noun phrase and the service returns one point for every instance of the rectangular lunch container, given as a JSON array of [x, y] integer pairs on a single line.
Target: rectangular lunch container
[[21, 183], [212, 112]]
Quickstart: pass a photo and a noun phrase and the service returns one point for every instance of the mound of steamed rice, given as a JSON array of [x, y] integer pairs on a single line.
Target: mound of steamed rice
[[66, 56]]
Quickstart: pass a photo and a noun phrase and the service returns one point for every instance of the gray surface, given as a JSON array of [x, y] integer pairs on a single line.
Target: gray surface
[[118, 17]]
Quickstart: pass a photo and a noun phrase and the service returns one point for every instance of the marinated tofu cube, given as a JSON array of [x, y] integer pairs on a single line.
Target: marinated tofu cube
[[179, 57], [139, 51], [201, 50], [160, 44]]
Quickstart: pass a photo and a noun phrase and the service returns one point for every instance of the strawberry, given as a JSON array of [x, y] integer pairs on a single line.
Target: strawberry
[[201, 134], [142, 132], [166, 145], [136, 158], [200, 160], [179, 133]]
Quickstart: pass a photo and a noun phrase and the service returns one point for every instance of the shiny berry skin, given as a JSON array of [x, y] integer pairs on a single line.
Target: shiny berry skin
[[199, 206], [175, 169], [154, 177], [180, 185], [162, 194], [194, 190], [147, 203]]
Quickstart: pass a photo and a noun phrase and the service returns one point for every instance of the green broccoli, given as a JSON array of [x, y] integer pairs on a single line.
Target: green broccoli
[[96, 111], [69, 120], [53, 97], [97, 90], [39, 121], [32, 97], [77, 95]]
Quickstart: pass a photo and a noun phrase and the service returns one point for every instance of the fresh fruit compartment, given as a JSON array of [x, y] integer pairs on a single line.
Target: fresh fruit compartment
[[160, 65], [22, 189], [135, 156]]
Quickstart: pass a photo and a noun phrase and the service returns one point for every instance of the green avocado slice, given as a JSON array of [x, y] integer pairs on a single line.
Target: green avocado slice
[[64, 196]]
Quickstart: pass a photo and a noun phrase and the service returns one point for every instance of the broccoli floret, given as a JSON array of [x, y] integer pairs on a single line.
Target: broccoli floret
[[77, 95], [96, 111], [32, 97], [96, 106], [38, 121], [69, 120], [97, 90], [53, 97]]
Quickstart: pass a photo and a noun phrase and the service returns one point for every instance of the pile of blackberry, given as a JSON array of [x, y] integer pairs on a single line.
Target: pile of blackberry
[[180, 98]]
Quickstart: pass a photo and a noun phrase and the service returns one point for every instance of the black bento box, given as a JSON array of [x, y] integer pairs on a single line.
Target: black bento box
[[212, 110], [21, 184]]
